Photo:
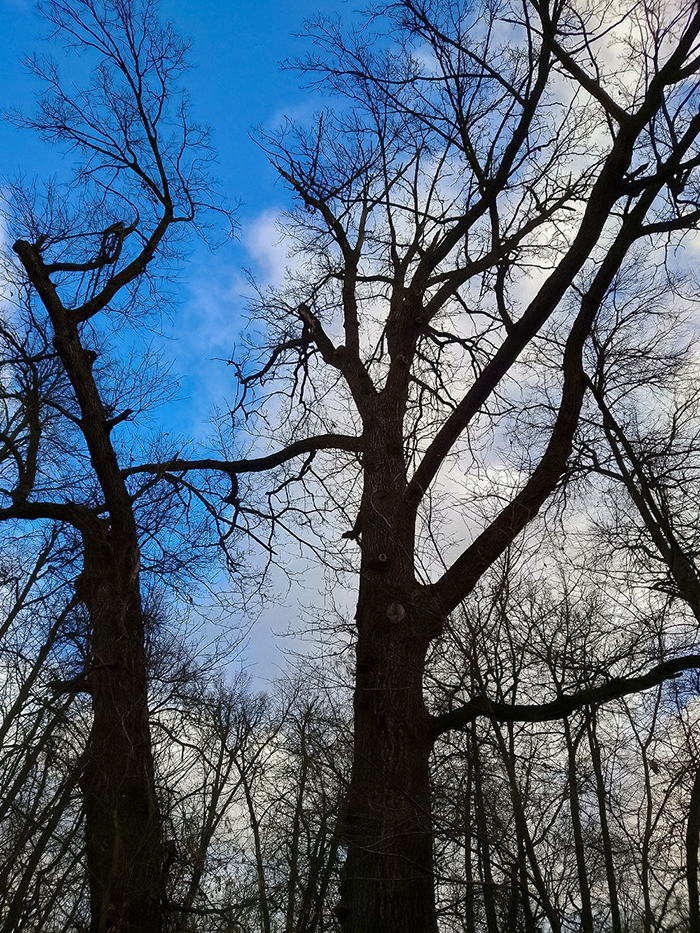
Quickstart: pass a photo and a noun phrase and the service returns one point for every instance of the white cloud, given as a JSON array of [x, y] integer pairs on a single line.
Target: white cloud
[[265, 243], [211, 316]]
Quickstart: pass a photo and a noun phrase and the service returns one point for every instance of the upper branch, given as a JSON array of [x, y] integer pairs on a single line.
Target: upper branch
[[610, 186], [457, 582], [257, 464], [605, 193], [127, 275], [614, 110]]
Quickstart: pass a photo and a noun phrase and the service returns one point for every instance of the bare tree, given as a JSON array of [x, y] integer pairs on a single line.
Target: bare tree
[[41, 884], [462, 218], [571, 821], [86, 257]]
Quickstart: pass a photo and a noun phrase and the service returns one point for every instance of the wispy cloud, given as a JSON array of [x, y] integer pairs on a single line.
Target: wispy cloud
[[212, 315]]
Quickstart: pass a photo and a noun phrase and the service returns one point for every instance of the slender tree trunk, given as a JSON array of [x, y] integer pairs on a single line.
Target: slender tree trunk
[[530, 925], [469, 817], [484, 844], [295, 882], [265, 922], [522, 830], [575, 805], [646, 866], [692, 841], [511, 925], [615, 921]]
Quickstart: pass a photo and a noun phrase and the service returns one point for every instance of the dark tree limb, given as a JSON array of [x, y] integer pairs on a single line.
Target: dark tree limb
[[565, 704], [308, 445]]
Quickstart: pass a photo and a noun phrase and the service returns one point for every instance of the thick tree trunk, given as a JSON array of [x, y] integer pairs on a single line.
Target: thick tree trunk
[[387, 827], [388, 876], [122, 819], [123, 831]]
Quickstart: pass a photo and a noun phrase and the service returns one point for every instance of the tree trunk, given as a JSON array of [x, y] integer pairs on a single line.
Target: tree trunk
[[387, 827], [602, 795], [122, 819], [469, 841], [123, 828], [692, 840], [577, 829], [484, 838]]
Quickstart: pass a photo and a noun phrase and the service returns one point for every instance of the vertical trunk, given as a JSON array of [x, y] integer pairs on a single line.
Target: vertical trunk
[[387, 827], [469, 899], [484, 844], [575, 806], [265, 922], [294, 836], [123, 829], [524, 837], [692, 841], [646, 866], [511, 925], [388, 883], [530, 925], [594, 745]]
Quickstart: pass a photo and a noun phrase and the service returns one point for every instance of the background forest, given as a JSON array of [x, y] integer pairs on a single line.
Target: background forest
[[469, 417]]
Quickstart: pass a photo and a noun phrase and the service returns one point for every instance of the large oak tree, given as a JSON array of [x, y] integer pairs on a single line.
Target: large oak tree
[[464, 214]]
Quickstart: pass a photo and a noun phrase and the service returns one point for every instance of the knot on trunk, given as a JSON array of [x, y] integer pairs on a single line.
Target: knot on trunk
[[395, 613]]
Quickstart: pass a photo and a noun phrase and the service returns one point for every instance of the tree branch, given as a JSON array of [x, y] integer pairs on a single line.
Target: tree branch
[[566, 704], [258, 464], [619, 114], [71, 513]]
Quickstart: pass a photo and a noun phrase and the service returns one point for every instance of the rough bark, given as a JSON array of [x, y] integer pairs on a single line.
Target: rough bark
[[123, 829], [122, 820], [387, 822], [389, 868]]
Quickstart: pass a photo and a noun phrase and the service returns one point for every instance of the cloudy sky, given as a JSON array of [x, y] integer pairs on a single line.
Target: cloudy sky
[[237, 84]]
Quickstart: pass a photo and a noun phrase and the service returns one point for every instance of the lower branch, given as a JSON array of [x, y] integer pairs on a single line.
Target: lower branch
[[299, 448], [566, 704]]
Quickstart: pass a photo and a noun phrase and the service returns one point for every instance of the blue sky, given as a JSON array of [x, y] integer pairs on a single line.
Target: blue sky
[[237, 83]]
